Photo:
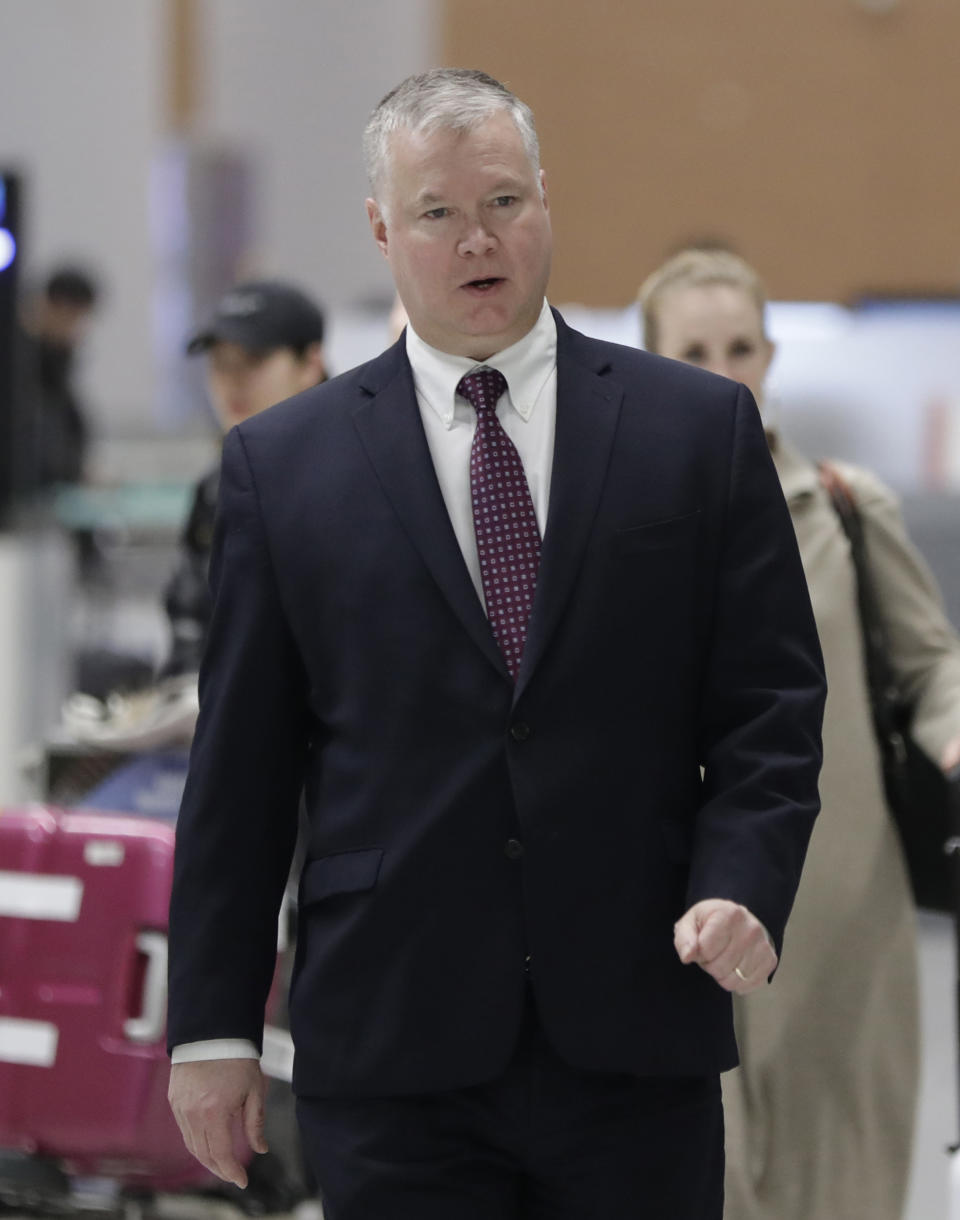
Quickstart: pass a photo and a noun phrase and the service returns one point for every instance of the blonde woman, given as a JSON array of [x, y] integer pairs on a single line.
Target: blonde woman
[[820, 1113]]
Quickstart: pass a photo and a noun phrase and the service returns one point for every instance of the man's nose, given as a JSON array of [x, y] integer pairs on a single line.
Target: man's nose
[[476, 239]]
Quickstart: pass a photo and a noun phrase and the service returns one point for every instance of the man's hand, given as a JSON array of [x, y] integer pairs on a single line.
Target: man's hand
[[218, 1104], [728, 942]]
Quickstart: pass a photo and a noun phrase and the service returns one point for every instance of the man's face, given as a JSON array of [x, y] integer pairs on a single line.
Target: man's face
[[65, 322], [466, 231], [242, 382]]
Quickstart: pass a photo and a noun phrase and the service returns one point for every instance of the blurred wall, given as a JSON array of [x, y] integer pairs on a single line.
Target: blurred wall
[[821, 130], [292, 83], [84, 114], [79, 116], [819, 137]]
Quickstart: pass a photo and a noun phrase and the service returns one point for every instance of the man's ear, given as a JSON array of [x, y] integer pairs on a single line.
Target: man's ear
[[314, 365], [543, 190], [378, 225]]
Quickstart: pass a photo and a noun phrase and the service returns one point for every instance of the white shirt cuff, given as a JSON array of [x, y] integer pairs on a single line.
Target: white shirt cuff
[[214, 1048]]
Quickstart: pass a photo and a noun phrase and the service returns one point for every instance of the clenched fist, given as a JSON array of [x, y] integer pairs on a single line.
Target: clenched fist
[[726, 941]]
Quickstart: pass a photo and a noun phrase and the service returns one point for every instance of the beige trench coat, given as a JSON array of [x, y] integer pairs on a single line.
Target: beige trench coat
[[820, 1114]]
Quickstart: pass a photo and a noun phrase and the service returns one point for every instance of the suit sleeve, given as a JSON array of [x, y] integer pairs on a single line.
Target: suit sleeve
[[238, 819], [763, 697]]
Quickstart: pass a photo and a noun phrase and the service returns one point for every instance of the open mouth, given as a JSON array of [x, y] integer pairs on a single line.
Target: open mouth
[[484, 285]]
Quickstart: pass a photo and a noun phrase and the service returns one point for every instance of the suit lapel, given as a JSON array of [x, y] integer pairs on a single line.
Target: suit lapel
[[588, 408], [388, 421]]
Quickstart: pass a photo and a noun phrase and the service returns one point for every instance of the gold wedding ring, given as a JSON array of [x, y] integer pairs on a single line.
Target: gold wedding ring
[[740, 975]]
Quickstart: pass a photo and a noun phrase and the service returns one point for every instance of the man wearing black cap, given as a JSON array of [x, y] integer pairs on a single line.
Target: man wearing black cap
[[264, 343]]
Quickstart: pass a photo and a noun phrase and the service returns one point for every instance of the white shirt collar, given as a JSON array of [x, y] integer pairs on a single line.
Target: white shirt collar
[[526, 365]]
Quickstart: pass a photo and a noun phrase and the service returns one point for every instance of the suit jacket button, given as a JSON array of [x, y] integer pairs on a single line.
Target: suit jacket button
[[513, 849], [520, 731]]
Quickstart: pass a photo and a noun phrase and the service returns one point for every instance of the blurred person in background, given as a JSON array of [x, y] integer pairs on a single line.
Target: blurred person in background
[[264, 343], [54, 323], [820, 1113]]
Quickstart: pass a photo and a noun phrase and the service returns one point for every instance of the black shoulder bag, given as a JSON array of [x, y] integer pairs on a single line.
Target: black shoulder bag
[[922, 800]]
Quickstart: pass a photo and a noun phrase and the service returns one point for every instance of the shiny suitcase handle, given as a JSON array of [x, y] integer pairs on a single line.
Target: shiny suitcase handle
[[149, 1026]]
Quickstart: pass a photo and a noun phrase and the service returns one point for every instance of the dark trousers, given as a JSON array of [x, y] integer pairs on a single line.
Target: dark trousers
[[544, 1142]]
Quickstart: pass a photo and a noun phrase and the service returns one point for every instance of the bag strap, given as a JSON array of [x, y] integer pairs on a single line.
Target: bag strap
[[881, 680]]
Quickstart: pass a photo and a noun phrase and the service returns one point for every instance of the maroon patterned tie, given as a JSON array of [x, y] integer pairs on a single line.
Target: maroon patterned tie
[[508, 538]]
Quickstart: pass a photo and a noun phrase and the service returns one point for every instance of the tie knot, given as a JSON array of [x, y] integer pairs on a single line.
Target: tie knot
[[482, 388]]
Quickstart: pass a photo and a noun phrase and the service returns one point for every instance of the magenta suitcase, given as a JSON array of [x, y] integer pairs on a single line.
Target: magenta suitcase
[[83, 958]]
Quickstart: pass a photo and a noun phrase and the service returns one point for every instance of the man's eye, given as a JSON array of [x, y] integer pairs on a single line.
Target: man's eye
[[436, 213], [694, 355], [741, 348], [504, 201]]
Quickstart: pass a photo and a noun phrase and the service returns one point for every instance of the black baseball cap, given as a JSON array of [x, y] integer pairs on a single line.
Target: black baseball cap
[[261, 315]]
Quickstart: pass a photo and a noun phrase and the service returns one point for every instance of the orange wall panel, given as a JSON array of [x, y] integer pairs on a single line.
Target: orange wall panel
[[818, 138]]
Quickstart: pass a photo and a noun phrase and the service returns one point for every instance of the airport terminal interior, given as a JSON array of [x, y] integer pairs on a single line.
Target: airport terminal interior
[[168, 149]]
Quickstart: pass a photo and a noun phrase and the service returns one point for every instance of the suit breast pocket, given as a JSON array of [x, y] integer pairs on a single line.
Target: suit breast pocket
[[346, 872], [655, 536]]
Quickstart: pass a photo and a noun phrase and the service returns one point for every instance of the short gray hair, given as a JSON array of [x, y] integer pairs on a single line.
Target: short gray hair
[[458, 99]]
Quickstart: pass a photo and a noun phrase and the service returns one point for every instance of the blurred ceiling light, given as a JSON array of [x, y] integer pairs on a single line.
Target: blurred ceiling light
[[8, 249]]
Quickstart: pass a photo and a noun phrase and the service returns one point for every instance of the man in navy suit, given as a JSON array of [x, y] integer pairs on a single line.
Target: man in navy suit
[[522, 614]]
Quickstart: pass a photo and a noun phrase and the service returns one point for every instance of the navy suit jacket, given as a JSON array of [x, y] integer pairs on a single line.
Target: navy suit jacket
[[461, 827]]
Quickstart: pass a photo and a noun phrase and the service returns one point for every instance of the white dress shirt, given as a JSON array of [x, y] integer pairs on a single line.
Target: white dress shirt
[[528, 413]]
